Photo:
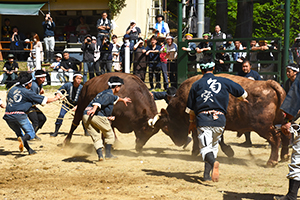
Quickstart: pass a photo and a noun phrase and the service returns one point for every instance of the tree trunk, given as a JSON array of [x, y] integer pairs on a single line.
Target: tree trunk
[[222, 16], [244, 22]]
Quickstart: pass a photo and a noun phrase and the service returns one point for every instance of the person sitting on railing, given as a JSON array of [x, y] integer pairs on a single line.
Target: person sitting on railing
[[161, 27], [218, 35], [56, 67], [10, 68], [69, 65]]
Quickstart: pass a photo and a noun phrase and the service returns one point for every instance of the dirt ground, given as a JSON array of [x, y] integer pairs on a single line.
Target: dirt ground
[[163, 171]]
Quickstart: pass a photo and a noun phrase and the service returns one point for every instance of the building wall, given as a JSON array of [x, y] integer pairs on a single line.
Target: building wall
[[135, 9]]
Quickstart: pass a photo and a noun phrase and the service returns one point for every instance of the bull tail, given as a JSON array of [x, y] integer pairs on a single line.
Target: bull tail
[[281, 96]]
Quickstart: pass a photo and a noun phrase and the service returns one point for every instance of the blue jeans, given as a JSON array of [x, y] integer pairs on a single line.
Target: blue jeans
[[22, 124], [164, 67], [87, 66], [63, 111]]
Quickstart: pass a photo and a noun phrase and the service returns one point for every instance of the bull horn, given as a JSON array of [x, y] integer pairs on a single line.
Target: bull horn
[[155, 119], [151, 122]]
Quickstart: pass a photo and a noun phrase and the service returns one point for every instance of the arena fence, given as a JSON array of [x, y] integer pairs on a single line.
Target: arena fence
[[184, 64]]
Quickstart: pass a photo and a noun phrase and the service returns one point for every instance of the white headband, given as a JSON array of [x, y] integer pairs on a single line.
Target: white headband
[[111, 84], [77, 75], [27, 83], [41, 75], [293, 68]]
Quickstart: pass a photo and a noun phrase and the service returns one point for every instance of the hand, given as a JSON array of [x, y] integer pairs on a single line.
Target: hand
[[147, 53], [126, 100], [239, 60], [285, 128], [74, 109], [42, 91], [91, 112], [221, 61], [192, 126]]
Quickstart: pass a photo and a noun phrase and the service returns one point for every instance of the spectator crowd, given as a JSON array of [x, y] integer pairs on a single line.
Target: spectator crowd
[[155, 56]]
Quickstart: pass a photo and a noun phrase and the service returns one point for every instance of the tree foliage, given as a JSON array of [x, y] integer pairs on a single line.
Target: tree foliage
[[115, 6]]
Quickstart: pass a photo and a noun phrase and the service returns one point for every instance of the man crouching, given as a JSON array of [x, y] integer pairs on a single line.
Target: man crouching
[[97, 114]]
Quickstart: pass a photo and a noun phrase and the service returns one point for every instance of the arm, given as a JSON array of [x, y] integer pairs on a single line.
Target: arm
[[92, 111]]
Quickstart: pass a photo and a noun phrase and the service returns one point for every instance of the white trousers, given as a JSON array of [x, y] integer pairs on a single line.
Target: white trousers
[[294, 166], [209, 139]]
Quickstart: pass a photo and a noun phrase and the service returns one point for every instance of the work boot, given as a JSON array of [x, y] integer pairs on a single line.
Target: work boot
[[206, 173], [36, 137], [31, 151], [108, 154], [100, 155], [57, 127]]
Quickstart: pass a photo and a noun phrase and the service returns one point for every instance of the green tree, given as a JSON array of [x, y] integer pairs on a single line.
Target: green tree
[[115, 6]]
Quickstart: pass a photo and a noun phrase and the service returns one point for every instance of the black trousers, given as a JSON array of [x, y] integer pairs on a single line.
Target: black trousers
[[36, 117], [154, 70], [172, 67]]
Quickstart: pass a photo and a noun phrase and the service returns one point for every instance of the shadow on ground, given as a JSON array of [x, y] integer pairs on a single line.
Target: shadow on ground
[[227, 195], [193, 177]]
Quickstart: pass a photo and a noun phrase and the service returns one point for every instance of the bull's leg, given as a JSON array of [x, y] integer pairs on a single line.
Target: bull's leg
[[196, 149], [69, 136], [284, 154], [141, 139], [273, 138], [226, 148]]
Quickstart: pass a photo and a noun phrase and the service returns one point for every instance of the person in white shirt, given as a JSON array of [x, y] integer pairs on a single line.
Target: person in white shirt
[[161, 27]]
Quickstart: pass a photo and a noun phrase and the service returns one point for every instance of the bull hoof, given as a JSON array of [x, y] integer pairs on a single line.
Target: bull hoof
[[285, 158], [139, 149], [227, 150], [271, 163], [66, 142]]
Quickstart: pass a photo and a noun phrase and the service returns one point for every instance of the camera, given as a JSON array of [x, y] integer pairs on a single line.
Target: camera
[[107, 41], [88, 40]]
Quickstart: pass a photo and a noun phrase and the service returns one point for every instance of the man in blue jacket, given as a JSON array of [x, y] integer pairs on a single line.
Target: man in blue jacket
[[19, 100], [98, 113], [207, 106]]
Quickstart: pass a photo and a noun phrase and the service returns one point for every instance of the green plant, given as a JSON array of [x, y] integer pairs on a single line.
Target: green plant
[[115, 6]]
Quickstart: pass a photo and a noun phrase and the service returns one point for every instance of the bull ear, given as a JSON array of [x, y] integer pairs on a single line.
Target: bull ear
[[164, 112]]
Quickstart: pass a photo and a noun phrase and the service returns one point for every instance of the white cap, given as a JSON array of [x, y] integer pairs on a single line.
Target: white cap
[[94, 38], [132, 21], [169, 37], [58, 55]]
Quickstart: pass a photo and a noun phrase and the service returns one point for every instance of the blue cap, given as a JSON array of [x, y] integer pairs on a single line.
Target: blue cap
[[126, 36]]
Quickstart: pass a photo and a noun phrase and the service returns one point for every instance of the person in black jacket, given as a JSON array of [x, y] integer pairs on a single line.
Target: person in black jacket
[[105, 55], [88, 56]]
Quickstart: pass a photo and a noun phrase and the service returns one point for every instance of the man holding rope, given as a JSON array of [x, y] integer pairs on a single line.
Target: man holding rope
[[35, 115], [19, 100], [98, 113], [72, 91]]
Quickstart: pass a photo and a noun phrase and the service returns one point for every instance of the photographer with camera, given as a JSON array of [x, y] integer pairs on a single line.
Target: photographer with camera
[[134, 32], [106, 55], [88, 56], [49, 40]]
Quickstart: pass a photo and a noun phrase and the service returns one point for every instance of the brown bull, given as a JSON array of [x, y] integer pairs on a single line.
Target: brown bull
[[133, 117], [259, 115]]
